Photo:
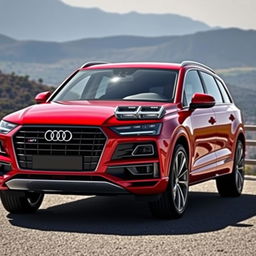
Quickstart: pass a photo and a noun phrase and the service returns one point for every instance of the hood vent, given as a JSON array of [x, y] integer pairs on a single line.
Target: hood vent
[[139, 112]]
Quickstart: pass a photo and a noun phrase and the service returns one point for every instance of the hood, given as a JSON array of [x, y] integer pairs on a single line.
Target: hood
[[73, 112]]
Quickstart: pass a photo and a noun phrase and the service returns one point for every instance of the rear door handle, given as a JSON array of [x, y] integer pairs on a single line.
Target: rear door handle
[[212, 121]]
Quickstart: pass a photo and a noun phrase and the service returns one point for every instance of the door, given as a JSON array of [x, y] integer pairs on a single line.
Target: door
[[224, 119], [202, 130]]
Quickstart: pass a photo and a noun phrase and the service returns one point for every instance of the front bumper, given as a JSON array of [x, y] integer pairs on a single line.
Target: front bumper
[[65, 186], [99, 181]]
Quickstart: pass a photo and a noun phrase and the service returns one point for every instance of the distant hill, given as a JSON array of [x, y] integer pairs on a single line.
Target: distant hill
[[245, 99], [52, 20], [17, 92], [5, 40], [218, 48], [243, 77]]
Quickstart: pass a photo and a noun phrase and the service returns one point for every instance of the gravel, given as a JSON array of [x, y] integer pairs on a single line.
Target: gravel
[[78, 225]]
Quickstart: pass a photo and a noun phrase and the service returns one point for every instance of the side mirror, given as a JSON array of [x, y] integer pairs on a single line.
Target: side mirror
[[201, 100], [42, 97]]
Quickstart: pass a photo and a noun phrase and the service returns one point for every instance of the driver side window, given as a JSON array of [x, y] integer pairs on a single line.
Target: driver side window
[[191, 86]]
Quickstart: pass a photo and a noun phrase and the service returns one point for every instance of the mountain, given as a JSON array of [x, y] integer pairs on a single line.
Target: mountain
[[5, 40], [52, 20], [218, 48]]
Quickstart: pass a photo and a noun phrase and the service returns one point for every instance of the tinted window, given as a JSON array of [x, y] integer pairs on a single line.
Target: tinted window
[[192, 85], [120, 84], [212, 87], [223, 92]]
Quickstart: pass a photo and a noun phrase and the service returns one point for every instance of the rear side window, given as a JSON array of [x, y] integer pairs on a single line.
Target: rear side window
[[192, 85], [211, 87], [224, 93]]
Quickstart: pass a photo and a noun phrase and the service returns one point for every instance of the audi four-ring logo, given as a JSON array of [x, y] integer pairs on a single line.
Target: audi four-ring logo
[[54, 135]]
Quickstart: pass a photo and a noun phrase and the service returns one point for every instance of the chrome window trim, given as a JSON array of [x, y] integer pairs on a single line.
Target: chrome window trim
[[214, 76]]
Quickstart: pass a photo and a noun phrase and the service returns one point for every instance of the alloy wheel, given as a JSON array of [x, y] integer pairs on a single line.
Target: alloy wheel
[[180, 181], [239, 167]]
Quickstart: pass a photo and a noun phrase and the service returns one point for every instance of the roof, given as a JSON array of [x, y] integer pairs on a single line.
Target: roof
[[153, 65], [135, 65]]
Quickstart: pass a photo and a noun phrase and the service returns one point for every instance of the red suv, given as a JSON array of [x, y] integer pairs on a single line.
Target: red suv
[[147, 129]]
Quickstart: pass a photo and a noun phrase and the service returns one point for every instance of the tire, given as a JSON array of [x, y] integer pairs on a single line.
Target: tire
[[173, 202], [21, 201], [231, 185]]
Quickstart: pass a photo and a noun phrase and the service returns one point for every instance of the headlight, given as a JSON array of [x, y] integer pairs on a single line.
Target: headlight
[[140, 129], [6, 127]]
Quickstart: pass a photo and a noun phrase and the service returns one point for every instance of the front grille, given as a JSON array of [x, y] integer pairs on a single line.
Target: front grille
[[86, 142]]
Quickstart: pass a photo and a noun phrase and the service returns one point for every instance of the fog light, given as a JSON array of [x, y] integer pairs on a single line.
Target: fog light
[[137, 171], [147, 169], [4, 168], [141, 170], [143, 150]]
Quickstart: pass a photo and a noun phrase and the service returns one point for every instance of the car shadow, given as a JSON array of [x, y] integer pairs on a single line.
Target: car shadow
[[122, 215]]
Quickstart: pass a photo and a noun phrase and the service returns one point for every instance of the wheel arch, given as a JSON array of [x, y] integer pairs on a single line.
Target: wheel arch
[[241, 137], [180, 137], [183, 141]]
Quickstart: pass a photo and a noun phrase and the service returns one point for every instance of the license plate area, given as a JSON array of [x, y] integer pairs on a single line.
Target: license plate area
[[57, 163]]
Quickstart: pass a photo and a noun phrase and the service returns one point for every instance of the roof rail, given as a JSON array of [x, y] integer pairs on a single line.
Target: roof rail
[[92, 63], [194, 63]]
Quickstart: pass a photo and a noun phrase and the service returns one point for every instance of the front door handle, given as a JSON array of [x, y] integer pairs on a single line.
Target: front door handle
[[212, 121], [232, 118]]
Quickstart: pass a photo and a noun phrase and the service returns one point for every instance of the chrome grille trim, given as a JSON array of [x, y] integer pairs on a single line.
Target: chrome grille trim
[[87, 141]]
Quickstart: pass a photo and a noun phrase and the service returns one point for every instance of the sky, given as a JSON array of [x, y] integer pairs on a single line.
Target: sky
[[223, 13]]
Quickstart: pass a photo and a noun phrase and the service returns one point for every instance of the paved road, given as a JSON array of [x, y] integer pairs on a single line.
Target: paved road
[[75, 225]]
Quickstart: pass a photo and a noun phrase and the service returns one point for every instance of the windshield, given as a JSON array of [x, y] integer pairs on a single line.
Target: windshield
[[120, 84]]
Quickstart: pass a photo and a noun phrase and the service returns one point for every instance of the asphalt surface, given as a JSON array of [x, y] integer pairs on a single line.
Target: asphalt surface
[[75, 225]]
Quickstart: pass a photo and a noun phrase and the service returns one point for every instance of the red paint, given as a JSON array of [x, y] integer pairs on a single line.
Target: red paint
[[211, 144], [42, 97], [201, 99]]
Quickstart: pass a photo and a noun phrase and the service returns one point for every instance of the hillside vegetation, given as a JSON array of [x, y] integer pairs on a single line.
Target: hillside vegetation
[[17, 92]]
